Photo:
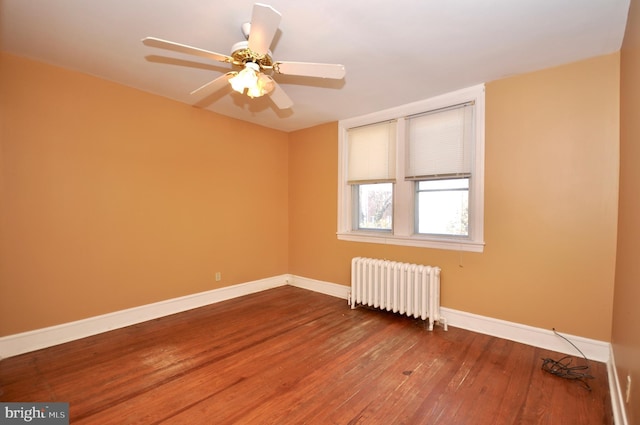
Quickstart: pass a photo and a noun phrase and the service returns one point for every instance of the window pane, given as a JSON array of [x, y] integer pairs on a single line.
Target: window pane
[[442, 207], [375, 206]]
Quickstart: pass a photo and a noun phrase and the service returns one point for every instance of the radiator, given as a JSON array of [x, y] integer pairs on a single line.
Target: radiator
[[409, 289]]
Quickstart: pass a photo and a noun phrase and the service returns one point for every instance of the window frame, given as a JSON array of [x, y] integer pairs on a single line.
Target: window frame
[[403, 232]]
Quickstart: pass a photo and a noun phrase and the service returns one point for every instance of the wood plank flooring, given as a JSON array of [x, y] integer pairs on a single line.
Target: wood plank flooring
[[291, 356]]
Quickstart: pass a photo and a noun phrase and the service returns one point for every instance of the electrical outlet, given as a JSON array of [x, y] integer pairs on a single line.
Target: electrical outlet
[[628, 394], [218, 276]]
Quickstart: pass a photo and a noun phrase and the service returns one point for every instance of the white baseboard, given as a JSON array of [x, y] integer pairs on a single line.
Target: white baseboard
[[16, 344], [537, 337], [333, 289], [617, 397], [41, 338]]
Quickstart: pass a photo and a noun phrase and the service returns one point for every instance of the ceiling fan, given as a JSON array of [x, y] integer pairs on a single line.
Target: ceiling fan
[[253, 61]]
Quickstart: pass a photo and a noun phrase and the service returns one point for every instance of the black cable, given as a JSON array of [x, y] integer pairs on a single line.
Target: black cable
[[563, 368]]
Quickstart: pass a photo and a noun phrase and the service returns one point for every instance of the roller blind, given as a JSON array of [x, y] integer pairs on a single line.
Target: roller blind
[[440, 143], [372, 153]]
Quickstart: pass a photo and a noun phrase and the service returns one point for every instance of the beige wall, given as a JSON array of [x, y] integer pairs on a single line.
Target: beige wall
[[626, 314], [550, 197], [113, 198]]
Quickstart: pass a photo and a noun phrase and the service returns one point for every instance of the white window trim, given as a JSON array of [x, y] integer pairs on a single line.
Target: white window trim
[[403, 190]]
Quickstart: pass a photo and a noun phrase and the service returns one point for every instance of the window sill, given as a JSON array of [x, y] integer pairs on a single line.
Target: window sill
[[416, 241]]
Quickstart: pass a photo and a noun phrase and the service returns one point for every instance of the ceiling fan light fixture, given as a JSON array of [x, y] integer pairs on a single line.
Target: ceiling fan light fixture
[[263, 86], [246, 78], [252, 80]]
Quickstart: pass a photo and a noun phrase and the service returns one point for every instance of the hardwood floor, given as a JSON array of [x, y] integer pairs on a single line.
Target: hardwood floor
[[291, 356]]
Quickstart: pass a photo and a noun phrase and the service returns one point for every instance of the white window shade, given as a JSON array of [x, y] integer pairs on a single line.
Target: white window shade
[[372, 153], [440, 143]]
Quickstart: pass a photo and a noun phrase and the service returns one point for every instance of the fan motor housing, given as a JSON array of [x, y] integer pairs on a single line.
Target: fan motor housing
[[241, 54]]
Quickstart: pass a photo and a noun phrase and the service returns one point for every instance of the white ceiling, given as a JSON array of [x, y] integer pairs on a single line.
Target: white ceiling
[[395, 51]]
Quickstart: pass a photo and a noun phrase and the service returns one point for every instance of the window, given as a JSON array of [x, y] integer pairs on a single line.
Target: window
[[414, 175]]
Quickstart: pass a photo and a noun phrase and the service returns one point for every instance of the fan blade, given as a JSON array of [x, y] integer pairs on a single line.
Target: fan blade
[[279, 97], [182, 48], [264, 24], [215, 85], [308, 69]]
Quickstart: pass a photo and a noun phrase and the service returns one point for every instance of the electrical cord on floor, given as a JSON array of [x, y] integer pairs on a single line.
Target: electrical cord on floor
[[563, 368]]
